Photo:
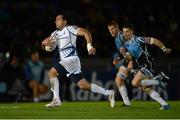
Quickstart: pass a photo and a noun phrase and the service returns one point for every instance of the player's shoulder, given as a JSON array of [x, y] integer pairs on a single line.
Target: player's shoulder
[[139, 39], [71, 27]]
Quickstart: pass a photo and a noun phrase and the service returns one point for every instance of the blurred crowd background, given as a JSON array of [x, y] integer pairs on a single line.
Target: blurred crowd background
[[25, 23]]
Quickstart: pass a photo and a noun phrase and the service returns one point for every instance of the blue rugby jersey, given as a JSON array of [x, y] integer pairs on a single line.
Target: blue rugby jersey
[[134, 46]]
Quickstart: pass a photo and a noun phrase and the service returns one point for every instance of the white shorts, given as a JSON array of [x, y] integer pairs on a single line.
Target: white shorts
[[71, 64]]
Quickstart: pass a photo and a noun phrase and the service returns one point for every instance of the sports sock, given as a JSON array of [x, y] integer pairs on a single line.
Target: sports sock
[[153, 94], [97, 89], [123, 91], [149, 82], [55, 87]]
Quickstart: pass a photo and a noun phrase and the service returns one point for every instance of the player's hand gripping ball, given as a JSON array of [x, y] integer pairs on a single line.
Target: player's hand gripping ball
[[49, 43]]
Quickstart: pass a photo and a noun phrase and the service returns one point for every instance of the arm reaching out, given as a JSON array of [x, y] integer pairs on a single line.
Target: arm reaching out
[[159, 44]]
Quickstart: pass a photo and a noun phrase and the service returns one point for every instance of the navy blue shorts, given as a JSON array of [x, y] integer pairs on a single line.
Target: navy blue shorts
[[146, 65]]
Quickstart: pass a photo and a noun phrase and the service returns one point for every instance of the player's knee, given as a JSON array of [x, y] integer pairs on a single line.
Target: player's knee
[[119, 81], [84, 85], [147, 89], [121, 75], [135, 84], [52, 73]]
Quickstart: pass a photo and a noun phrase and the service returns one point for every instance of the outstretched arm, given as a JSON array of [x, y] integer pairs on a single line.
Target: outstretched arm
[[159, 44], [88, 37]]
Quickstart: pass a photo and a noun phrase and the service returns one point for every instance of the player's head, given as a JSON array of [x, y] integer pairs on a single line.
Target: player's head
[[113, 28], [61, 20], [128, 30]]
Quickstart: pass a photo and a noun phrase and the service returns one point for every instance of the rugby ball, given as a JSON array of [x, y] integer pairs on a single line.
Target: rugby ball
[[48, 48]]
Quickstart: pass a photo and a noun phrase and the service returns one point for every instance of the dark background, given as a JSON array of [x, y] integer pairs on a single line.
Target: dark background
[[26, 23]]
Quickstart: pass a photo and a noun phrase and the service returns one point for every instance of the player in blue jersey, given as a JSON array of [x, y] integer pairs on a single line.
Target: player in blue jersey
[[122, 67], [144, 75]]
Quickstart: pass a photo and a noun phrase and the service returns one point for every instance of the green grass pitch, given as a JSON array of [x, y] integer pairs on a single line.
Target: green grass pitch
[[89, 110]]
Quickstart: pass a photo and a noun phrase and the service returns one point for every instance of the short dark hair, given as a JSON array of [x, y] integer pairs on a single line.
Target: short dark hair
[[129, 25], [65, 15], [113, 22]]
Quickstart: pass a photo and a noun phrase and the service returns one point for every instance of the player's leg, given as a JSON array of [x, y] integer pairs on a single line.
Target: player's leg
[[83, 84], [150, 82], [154, 95], [119, 80], [156, 80], [52, 74], [138, 77]]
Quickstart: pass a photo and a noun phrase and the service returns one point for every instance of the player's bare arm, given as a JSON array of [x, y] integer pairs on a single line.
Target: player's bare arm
[[159, 44], [47, 43], [88, 37]]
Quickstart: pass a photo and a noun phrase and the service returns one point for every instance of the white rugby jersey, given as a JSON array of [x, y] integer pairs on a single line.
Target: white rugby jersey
[[66, 41]]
